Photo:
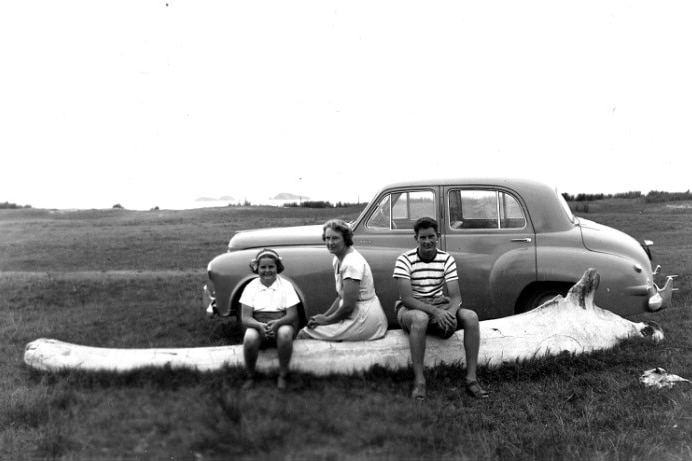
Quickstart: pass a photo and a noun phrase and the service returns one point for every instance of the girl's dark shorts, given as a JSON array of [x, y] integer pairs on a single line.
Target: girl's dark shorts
[[265, 317]]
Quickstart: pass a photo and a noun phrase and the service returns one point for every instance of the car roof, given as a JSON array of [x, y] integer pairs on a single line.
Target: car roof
[[469, 181], [541, 200]]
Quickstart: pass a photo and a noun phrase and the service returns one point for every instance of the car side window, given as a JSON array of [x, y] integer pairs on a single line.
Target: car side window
[[484, 209], [400, 210]]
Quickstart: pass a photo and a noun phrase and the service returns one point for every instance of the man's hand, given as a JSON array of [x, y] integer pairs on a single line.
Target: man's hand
[[444, 318]]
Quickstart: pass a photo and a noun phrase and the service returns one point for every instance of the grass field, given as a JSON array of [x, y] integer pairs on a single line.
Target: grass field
[[121, 278]]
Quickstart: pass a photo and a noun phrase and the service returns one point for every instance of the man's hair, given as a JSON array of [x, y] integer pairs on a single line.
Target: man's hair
[[341, 227], [426, 223]]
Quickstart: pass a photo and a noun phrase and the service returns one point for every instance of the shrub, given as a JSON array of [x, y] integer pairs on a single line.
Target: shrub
[[12, 206], [655, 196], [322, 204], [310, 204], [630, 194]]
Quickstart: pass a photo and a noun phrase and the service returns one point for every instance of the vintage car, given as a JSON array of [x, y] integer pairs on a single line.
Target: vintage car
[[516, 244]]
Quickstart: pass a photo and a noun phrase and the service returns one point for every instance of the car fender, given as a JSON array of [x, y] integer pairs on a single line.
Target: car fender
[[623, 280], [503, 296], [308, 268]]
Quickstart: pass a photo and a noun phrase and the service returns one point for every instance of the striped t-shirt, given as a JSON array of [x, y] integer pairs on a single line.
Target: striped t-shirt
[[428, 279]]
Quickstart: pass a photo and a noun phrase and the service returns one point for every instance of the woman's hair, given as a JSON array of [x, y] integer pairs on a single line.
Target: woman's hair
[[339, 226], [266, 253]]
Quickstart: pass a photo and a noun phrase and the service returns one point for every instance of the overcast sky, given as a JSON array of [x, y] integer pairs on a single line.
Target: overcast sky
[[145, 103]]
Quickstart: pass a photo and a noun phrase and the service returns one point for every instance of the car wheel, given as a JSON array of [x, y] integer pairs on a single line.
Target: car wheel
[[540, 295]]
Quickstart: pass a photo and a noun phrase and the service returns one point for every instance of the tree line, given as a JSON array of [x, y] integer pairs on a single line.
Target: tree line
[[653, 196], [12, 206], [322, 204]]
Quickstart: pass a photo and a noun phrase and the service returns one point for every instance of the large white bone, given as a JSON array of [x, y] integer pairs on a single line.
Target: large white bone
[[572, 324]]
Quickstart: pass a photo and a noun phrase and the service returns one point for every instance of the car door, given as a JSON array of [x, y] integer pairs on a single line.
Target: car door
[[386, 231], [488, 232]]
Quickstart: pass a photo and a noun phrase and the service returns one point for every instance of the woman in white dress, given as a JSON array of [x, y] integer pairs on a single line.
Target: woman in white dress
[[356, 314]]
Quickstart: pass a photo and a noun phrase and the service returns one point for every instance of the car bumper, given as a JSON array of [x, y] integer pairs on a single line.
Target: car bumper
[[209, 302], [662, 297]]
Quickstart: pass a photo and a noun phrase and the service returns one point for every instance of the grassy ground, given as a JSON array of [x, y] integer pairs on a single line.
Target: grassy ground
[[121, 278]]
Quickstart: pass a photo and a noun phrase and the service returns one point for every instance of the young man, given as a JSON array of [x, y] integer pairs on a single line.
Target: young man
[[422, 274]]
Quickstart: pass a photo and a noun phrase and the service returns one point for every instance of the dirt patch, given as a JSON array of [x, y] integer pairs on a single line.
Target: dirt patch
[[683, 206]]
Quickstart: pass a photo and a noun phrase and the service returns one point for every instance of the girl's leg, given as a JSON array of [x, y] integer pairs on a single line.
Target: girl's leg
[[284, 344], [251, 344]]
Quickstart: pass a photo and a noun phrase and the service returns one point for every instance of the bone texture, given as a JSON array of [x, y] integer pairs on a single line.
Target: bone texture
[[572, 324]]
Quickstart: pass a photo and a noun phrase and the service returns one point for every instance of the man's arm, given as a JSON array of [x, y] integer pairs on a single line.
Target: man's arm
[[454, 293], [441, 316], [410, 301]]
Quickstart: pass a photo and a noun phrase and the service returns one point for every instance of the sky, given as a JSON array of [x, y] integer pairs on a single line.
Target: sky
[[156, 103]]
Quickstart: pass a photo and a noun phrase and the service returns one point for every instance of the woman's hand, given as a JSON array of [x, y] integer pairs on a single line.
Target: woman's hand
[[319, 319]]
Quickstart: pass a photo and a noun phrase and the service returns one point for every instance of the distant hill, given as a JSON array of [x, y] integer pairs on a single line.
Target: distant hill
[[287, 196], [225, 198]]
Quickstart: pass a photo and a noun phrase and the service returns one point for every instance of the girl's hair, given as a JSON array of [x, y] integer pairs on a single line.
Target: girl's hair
[[339, 226], [267, 253]]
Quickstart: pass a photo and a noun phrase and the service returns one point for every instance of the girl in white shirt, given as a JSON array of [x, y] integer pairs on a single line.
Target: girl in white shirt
[[269, 314]]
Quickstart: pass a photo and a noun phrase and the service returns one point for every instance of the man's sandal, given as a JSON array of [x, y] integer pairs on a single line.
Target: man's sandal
[[418, 392], [476, 391]]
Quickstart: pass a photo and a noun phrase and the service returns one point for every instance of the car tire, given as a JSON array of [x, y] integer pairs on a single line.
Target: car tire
[[539, 295]]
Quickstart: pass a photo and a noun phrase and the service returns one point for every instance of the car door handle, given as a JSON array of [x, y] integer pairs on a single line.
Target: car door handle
[[527, 240]]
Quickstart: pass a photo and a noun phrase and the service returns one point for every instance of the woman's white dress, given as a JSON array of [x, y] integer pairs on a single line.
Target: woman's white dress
[[367, 320]]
